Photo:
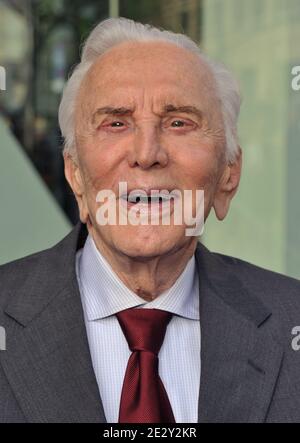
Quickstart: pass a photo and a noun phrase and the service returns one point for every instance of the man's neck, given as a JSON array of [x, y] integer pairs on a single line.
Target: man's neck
[[148, 277]]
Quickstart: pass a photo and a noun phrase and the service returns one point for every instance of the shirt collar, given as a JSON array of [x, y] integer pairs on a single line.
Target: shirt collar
[[105, 294]]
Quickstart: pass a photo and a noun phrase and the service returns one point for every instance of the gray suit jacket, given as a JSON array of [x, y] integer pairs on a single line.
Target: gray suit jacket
[[250, 373]]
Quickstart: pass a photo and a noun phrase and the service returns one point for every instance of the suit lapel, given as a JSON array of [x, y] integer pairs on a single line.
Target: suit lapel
[[47, 362], [240, 361]]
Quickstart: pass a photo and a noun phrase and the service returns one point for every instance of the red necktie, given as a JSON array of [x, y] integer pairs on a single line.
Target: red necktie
[[144, 398]]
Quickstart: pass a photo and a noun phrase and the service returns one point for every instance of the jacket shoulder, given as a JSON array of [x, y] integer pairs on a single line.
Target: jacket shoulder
[[14, 274], [276, 290], [250, 269], [36, 270]]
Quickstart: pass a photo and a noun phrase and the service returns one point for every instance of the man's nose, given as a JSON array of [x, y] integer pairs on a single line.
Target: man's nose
[[147, 149]]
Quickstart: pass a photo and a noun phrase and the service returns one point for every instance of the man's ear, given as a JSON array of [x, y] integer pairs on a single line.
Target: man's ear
[[74, 178], [227, 186]]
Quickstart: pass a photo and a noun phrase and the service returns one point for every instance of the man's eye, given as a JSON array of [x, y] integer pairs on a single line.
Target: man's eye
[[178, 123], [112, 125], [116, 124]]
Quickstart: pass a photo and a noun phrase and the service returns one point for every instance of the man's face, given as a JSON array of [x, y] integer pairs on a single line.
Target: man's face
[[147, 142]]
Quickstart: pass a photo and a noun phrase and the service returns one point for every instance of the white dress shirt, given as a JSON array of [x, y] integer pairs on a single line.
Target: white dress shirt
[[103, 294]]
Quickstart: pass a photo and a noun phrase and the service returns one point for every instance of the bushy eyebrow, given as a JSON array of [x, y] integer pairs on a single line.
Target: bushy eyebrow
[[109, 110], [187, 109]]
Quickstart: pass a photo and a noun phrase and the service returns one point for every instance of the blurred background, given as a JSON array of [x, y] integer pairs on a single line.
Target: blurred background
[[259, 40]]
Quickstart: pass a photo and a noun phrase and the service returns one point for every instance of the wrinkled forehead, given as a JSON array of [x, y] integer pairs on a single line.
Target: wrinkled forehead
[[149, 64]]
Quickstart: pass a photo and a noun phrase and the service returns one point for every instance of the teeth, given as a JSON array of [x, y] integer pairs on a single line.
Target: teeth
[[155, 198], [140, 198], [135, 197]]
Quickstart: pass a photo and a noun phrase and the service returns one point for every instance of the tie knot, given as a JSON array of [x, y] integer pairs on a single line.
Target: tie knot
[[144, 329]]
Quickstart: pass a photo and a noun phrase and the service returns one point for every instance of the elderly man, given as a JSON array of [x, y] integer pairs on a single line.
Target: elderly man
[[139, 322]]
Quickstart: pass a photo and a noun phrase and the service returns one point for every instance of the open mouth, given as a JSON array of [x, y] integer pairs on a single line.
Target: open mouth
[[152, 200], [146, 199]]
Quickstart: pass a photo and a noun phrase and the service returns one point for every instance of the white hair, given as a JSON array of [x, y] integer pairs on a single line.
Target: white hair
[[113, 31]]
